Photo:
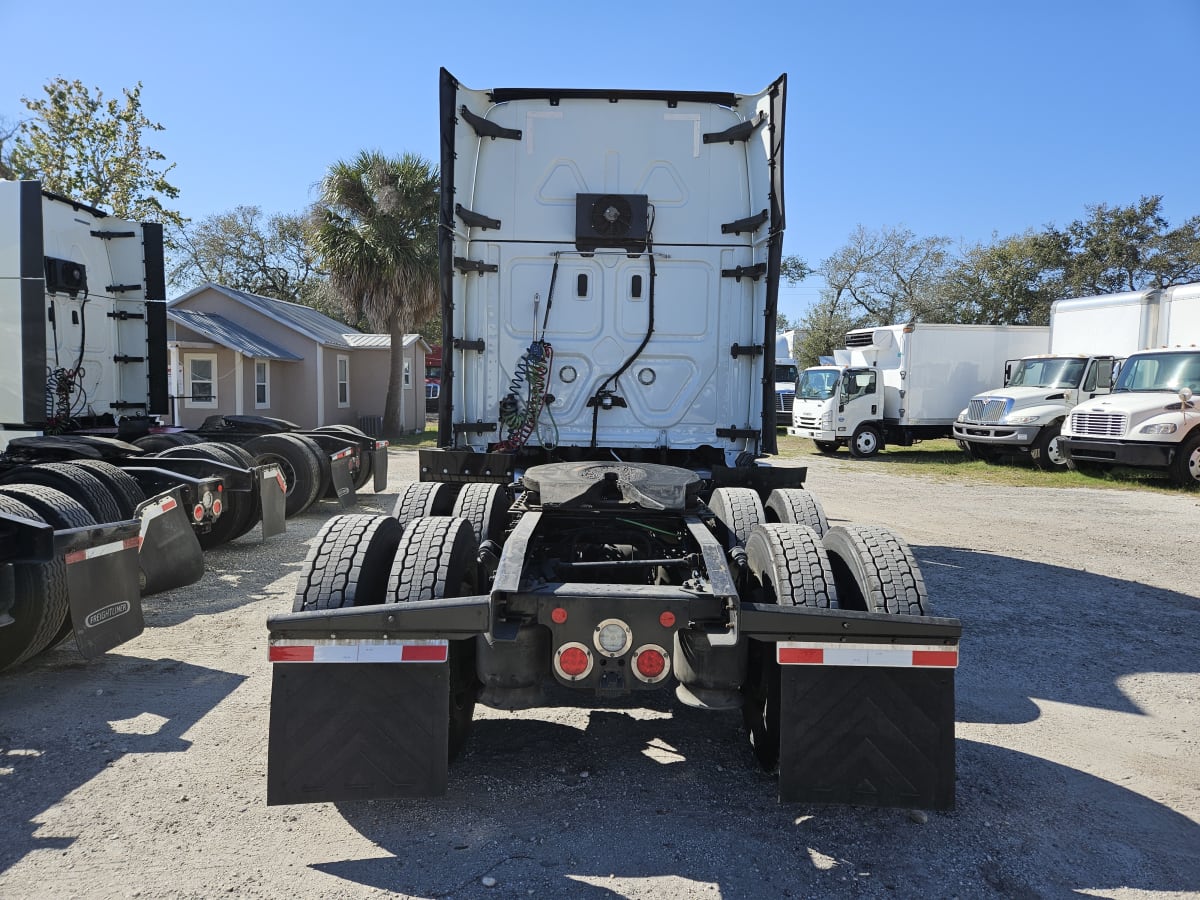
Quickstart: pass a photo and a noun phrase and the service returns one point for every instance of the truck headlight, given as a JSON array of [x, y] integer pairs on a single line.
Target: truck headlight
[[1021, 420], [1160, 428], [962, 416]]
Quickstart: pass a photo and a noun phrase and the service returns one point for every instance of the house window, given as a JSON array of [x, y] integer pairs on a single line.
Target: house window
[[262, 384], [201, 387], [408, 373], [343, 380]]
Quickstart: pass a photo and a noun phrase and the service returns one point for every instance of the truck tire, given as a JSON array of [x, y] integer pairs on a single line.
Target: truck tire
[[436, 559], [796, 507], [239, 456], [80, 485], [41, 589], [418, 499], [324, 466], [1185, 466], [123, 486], [301, 470], [875, 571], [827, 447], [485, 506], [738, 510], [865, 442], [238, 506], [156, 443], [788, 566], [348, 564], [1045, 452]]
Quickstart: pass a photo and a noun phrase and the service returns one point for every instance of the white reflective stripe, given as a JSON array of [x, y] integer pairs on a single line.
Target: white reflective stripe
[[360, 651], [342, 454], [103, 550], [153, 512], [818, 653]]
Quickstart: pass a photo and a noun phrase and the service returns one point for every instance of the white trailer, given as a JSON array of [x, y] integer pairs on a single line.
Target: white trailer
[[1151, 418], [900, 384], [1089, 337]]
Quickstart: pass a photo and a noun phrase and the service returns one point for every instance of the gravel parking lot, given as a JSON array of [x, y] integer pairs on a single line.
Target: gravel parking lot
[[143, 774]]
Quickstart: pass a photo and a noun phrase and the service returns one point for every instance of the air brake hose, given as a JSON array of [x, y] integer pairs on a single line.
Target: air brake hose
[[597, 397]]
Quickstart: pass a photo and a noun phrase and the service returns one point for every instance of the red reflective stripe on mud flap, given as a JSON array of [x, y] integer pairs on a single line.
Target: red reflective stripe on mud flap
[[291, 654], [801, 656], [103, 550]]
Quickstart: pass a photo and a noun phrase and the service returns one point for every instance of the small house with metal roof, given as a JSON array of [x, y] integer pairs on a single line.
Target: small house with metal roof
[[237, 353]]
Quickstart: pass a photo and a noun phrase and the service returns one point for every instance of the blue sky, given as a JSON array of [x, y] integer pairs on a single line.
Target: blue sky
[[959, 118]]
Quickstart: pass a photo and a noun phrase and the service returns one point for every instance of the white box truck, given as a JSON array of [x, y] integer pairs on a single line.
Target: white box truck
[[1089, 337], [900, 384], [1151, 418]]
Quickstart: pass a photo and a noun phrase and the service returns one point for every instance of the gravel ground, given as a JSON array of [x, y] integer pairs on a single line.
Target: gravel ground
[[143, 774]]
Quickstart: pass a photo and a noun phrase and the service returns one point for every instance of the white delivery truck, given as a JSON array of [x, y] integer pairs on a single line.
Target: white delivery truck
[[900, 384], [786, 373], [1152, 417], [1089, 337]]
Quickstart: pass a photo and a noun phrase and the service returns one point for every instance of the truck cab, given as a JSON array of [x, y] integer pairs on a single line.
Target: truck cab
[[1026, 414], [1151, 419], [833, 403]]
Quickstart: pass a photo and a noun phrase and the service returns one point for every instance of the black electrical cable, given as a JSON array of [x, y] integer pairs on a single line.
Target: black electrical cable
[[596, 397]]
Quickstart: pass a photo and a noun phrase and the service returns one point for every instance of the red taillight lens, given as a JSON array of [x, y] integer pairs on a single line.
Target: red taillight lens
[[667, 619], [573, 661], [650, 663], [558, 615], [198, 512], [216, 508]]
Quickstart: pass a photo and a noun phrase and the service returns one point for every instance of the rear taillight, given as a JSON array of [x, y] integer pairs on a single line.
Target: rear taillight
[[573, 661], [216, 508], [650, 663], [198, 512]]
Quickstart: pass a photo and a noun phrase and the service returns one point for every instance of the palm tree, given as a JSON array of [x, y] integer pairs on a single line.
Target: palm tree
[[375, 229]]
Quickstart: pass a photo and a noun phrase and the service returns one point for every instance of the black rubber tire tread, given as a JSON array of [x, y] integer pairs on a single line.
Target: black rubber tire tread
[[349, 563], [123, 486], [47, 609], [240, 456], [78, 484], [865, 429], [1039, 452], [792, 559], [324, 466], [437, 558], [875, 571], [238, 507], [301, 469], [485, 506], [1185, 466], [156, 443], [345, 429], [418, 499], [797, 507], [739, 510], [30, 604]]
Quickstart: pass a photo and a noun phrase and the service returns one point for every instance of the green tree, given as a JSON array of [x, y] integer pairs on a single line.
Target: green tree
[[886, 277], [242, 249], [375, 233], [1011, 281], [91, 149], [1127, 248]]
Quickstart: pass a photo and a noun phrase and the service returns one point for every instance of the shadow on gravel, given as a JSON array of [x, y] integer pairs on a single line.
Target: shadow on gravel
[[64, 724], [675, 806], [1054, 633]]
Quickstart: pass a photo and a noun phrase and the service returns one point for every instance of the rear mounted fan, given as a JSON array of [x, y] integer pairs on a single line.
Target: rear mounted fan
[[610, 220]]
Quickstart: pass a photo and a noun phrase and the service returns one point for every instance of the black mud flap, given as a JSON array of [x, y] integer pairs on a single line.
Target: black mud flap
[[357, 732], [272, 493], [170, 555], [379, 465], [867, 736], [343, 484], [102, 585]]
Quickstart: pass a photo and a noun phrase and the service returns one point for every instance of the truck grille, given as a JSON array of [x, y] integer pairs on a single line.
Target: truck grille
[[986, 410], [784, 401], [1099, 424], [805, 422]]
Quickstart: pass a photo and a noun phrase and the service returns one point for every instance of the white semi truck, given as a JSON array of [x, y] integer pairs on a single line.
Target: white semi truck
[[901, 384], [1151, 418], [786, 373], [598, 517], [1089, 337]]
